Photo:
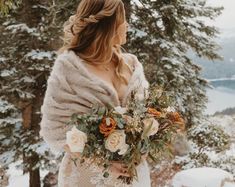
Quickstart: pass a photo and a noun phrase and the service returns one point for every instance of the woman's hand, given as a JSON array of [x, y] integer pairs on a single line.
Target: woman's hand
[[144, 156], [117, 168], [120, 169]]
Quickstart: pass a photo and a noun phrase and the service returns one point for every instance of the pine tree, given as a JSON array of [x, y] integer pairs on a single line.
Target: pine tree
[[163, 34], [10, 133], [29, 37]]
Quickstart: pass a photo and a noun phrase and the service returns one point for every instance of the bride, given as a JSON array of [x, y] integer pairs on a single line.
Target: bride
[[91, 68]]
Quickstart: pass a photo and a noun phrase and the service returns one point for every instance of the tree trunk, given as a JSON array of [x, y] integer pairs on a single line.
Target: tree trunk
[[30, 161], [31, 118], [34, 175]]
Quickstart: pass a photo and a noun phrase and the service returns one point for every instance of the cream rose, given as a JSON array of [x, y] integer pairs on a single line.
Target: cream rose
[[76, 140], [150, 126], [120, 110], [117, 141]]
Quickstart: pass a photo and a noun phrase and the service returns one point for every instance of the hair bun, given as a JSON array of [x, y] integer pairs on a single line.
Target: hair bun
[[72, 18], [91, 19], [67, 28]]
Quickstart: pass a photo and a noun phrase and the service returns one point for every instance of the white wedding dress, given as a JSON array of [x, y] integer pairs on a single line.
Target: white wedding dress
[[144, 180], [89, 175], [143, 175]]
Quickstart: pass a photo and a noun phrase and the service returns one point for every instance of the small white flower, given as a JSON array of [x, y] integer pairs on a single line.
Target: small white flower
[[139, 96], [76, 140], [170, 109], [120, 110], [150, 126], [117, 141]]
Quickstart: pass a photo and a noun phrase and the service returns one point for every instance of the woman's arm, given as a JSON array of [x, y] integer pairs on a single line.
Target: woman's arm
[[60, 102]]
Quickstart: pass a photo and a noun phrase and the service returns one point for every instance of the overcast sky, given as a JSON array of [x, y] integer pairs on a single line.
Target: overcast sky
[[227, 19]]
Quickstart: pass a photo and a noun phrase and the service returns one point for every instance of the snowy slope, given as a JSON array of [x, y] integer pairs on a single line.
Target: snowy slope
[[203, 177]]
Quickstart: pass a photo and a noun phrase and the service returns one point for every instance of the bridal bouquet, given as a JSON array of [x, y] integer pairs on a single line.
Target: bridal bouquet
[[109, 134]]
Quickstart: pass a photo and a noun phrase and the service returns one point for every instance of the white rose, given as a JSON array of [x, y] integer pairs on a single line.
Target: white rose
[[120, 110], [117, 141], [150, 126], [76, 140]]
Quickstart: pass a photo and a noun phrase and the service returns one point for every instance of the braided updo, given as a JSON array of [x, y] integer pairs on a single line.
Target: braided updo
[[90, 32]]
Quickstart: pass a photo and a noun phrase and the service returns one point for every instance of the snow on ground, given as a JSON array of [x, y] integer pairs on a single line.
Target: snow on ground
[[208, 177], [16, 177], [227, 122], [203, 177]]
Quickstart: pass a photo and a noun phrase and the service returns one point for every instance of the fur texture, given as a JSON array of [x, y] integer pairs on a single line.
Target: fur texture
[[71, 88]]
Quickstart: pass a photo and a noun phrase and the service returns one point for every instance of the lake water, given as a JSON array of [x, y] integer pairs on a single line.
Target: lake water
[[222, 96]]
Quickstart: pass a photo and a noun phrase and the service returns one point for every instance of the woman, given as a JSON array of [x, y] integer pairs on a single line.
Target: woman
[[89, 69]]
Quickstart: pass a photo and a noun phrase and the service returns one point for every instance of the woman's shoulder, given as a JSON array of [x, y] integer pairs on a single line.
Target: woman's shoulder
[[130, 57], [69, 55], [65, 65], [132, 60], [67, 60], [60, 58], [64, 55]]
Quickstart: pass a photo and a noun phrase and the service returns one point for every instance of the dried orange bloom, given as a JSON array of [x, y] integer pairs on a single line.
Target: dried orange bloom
[[154, 112], [105, 128], [176, 118]]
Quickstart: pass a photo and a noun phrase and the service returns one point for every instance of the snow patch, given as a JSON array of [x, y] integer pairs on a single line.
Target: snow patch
[[7, 73], [2, 59], [200, 177], [17, 178], [22, 27], [40, 55]]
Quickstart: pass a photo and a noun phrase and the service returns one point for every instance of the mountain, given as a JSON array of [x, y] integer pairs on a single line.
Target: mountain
[[225, 68], [227, 111]]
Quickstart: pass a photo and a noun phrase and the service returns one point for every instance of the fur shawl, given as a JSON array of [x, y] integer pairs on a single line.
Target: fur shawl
[[71, 88]]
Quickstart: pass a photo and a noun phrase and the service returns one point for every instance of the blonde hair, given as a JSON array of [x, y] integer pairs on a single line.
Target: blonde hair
[[90, 31]]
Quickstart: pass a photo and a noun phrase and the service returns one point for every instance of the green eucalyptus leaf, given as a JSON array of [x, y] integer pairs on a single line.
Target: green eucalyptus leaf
[[101, 111], [106, 174]]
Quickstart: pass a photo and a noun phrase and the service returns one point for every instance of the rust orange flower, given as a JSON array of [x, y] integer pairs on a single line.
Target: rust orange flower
[[154, 112], [105, 128], [177, 119]]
